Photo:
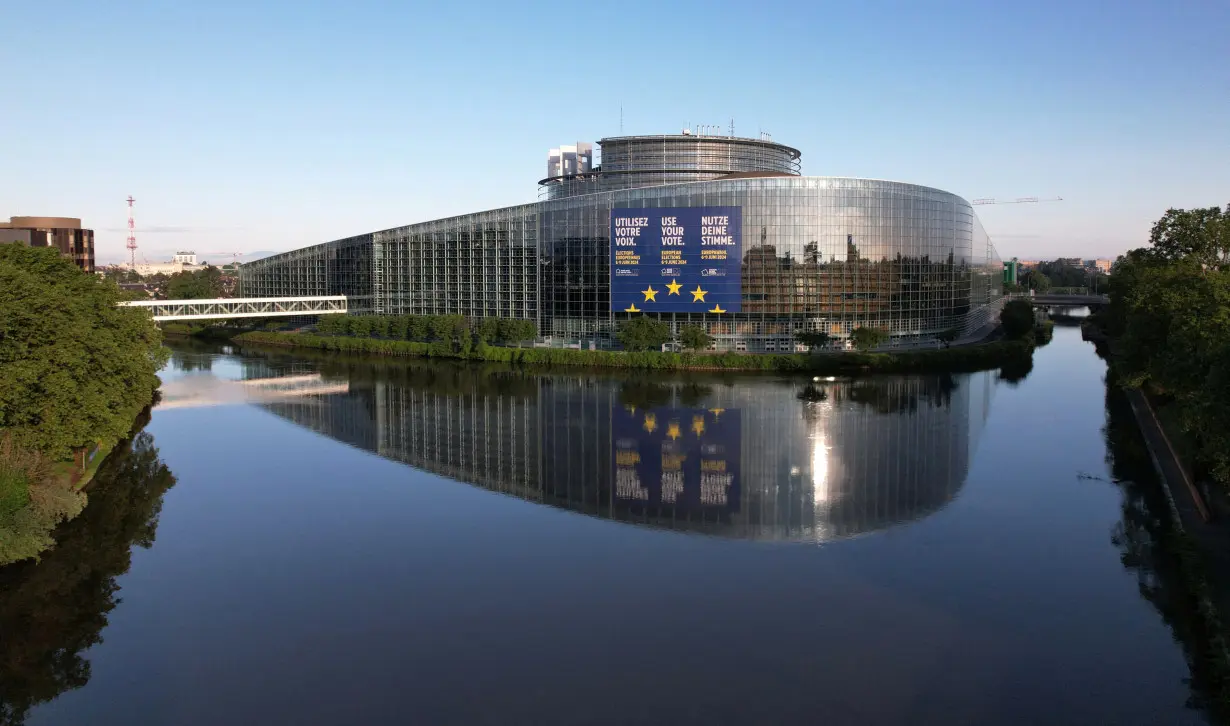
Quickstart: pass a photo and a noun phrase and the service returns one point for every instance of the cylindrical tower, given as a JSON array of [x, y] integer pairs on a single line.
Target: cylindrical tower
[[647, 161]]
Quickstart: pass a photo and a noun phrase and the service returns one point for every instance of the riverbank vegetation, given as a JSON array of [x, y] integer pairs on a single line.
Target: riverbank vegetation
[[75, 371], [1168, 326], [642, 339], [980, 357]]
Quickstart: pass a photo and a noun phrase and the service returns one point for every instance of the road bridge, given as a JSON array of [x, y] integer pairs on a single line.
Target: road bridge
[[242, 307], [1064, 300]]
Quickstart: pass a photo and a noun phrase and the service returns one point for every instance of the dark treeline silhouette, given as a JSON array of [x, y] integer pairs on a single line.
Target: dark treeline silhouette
[[54, 610]]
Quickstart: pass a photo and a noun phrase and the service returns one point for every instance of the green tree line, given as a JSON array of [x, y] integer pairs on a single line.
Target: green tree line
[[1010, 354], [75, 370], [1169, 325], [458, 332]]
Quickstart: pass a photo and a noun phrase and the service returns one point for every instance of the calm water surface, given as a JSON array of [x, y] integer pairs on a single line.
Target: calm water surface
[[319, 540]]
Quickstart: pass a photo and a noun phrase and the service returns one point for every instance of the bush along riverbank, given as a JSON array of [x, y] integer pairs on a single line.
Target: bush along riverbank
[[979, 357], [221, 331], [458, 338], [75, 372]]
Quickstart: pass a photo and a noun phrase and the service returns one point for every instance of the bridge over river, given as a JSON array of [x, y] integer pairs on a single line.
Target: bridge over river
[[242, 307], [1073, 300]]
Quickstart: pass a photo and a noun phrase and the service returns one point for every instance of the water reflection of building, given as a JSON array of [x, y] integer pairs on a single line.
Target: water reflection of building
[[781, 460]]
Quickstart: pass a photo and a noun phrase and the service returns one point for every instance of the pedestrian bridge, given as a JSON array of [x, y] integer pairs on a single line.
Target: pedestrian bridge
[[241, 307]]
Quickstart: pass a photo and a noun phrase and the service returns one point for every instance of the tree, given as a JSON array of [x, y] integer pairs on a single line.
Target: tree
[[813, 339], [75, 369], [331, 324], [360, 326], [516, 330], [487, 330], [418, 328], [398, 326], [203, 284], [866, 339], [1017, 318], [694, 337], [948, 336], [1201, 236], [643, 333], [1037, 281]]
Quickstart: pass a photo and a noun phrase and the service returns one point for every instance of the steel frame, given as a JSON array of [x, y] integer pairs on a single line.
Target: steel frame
[[244, 307]]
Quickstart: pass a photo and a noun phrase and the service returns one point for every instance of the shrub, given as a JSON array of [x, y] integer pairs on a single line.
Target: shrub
[[866, 339], [694, 337], [813, 339], [971, 358], [1017, 317], [643, 333]]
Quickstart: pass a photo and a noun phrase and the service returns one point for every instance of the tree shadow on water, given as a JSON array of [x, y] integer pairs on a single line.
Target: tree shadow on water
[[52, 611], [1148, 548]]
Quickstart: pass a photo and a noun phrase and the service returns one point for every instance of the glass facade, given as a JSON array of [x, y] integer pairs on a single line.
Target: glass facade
[[819, 254], [341, 267]]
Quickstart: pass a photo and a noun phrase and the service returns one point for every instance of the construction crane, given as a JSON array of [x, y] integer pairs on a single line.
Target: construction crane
[[1018, 200]]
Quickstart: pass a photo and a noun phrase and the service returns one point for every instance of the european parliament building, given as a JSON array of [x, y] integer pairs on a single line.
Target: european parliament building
[[717, 231]]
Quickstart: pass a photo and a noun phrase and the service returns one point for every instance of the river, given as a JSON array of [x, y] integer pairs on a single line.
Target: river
[[312, 539]]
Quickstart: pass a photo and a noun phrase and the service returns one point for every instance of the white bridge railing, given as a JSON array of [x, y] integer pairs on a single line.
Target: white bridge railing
[[242, 307]]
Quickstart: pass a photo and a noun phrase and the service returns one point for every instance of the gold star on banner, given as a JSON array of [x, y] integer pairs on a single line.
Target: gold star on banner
[[717, 309], [717, 412], [673, 287], [672, 430], [651, 423], [698, 295], [649, 293], [632, 309], [698, 425], [630, 409]]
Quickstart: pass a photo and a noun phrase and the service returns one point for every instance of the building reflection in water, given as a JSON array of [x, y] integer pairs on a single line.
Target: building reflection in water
[[746, 457]]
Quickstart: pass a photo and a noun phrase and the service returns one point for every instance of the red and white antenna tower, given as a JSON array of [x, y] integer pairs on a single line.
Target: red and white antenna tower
[[132, 235]]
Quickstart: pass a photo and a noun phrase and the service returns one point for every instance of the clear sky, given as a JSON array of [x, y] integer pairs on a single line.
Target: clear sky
[[245, 126]]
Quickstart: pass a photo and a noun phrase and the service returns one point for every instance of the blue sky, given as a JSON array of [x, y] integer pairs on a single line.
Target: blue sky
[[243, 126]]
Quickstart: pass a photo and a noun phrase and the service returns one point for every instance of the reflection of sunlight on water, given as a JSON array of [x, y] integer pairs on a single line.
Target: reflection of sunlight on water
[[820, 469]]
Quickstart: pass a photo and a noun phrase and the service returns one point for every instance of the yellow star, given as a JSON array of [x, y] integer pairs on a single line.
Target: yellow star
[[674, 286], [632, 309], [672, 430], [630, 409], [717, 412], [651, 423], [698, 425], [717, 309], [698, 295], [649, 293]]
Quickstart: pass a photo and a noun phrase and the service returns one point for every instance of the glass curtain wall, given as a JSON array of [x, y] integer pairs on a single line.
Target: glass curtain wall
[[477, 265], [341, 267], [823, 254]]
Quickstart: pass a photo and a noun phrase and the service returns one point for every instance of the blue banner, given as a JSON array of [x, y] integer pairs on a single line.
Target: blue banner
[[677, 260], [686, 459]]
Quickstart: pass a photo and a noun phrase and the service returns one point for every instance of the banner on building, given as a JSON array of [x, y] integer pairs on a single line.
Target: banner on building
[[677, 260]]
